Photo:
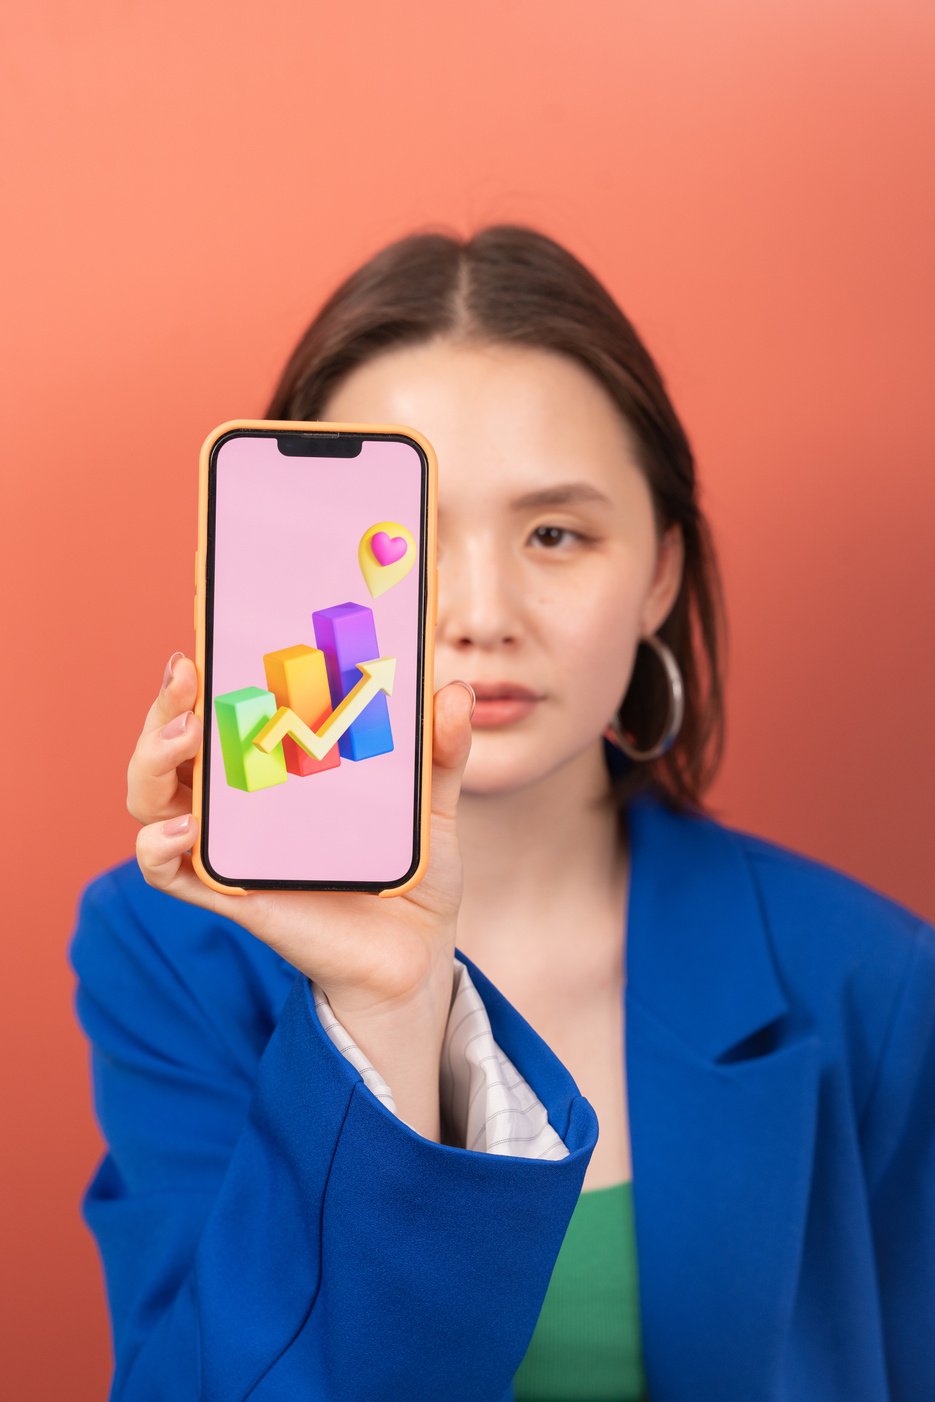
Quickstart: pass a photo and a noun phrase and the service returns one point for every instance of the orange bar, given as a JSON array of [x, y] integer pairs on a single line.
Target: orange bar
[[298, 678]]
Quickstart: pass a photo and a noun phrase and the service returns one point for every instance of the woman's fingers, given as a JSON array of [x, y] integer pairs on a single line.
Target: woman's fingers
[[163, 852], [160, 851], [163, 858], [439, 891], [177, 693], [451, 745], [159, 772]]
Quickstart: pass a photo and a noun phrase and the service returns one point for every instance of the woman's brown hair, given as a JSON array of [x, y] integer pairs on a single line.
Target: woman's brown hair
[[511, 284]]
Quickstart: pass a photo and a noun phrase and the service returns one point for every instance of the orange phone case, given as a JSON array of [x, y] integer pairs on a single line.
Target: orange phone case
[[428, 651]]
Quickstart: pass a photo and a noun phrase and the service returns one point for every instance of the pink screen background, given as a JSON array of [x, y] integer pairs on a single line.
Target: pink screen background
[[287, 531]]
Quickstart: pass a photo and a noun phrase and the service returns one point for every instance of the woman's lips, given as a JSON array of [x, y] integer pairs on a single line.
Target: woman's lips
[[502, 702], [502, 710]]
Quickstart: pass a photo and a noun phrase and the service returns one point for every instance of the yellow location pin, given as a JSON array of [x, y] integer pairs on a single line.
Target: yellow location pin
[[386, 554]]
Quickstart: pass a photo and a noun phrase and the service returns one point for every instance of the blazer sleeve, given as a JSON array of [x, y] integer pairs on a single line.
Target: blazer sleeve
[[486, 1103], [268, 1227], [898, 1134]]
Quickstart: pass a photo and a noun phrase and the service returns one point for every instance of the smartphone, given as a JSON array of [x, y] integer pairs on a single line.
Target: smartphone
[[315, 601]]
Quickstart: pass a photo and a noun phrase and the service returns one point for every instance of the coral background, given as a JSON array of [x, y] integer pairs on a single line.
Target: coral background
[[185, 183]]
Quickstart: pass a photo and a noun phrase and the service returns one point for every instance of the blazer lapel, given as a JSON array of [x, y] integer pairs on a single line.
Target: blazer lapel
[[722, 1096]]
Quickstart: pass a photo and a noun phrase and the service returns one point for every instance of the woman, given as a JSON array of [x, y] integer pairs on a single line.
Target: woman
[[353, 1145]]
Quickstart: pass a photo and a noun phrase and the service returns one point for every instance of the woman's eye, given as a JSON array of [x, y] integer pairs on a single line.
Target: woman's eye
[[551, 532]]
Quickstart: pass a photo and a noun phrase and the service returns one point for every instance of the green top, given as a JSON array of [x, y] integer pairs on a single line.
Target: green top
[[586, 1344]]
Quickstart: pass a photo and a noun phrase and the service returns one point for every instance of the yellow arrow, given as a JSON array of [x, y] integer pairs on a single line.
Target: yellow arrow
[[377, 676]]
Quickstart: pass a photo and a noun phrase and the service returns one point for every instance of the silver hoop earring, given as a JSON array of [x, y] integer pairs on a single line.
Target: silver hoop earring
[[676, 709]]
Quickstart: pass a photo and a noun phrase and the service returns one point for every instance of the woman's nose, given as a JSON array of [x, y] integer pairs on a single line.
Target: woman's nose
[[477, 598]]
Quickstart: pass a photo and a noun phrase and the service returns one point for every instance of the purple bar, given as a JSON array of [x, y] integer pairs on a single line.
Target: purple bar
[[346, 635]]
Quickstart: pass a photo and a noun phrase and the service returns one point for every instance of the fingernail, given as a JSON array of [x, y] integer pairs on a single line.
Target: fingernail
[[167, 675], [175, 727], [177, 826], [471, 690]]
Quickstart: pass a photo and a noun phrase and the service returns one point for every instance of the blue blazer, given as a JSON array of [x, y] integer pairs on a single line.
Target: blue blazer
[[270, 1230]]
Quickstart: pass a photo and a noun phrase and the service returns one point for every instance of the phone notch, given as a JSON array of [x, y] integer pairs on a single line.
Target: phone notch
[[320, 445]]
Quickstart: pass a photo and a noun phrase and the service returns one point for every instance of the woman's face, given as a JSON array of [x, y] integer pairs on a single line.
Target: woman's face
[[547, 593]]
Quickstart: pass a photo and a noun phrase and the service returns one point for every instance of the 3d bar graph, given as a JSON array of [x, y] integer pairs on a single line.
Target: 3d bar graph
[[312, 682]]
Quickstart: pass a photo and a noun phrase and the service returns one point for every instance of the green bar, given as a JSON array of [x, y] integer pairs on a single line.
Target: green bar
[[241, 715]]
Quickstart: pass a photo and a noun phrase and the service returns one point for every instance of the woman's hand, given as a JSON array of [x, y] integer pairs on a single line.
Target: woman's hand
[[370, 955]]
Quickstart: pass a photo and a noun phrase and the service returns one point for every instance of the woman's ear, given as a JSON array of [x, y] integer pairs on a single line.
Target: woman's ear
[[667, 580]]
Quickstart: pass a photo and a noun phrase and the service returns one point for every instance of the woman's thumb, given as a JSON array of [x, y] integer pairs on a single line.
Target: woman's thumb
[[454, 706]]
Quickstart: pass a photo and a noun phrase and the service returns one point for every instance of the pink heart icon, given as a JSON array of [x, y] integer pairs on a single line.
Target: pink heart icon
[[387, 549]]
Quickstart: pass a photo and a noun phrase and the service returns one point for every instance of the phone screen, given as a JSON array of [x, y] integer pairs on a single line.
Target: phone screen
[[315, 563]]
